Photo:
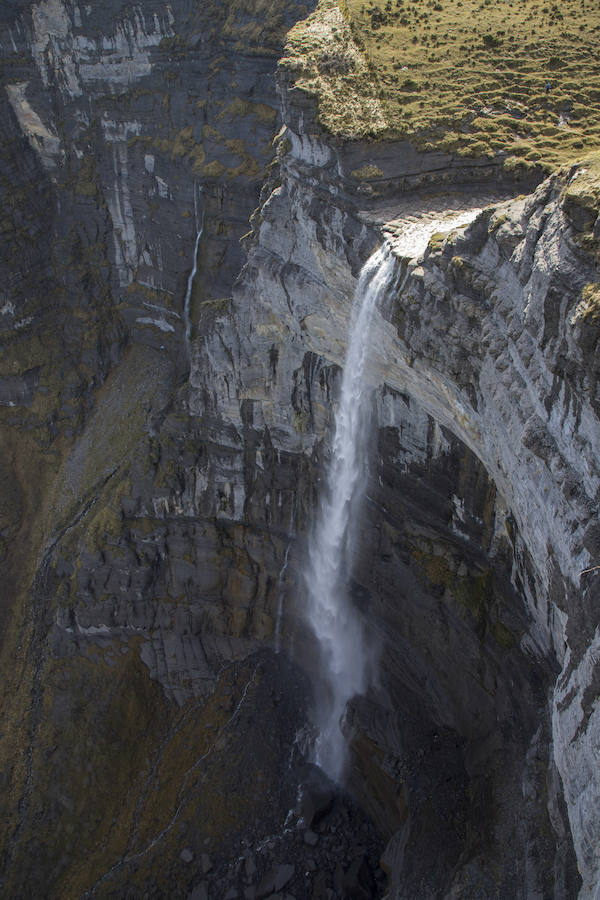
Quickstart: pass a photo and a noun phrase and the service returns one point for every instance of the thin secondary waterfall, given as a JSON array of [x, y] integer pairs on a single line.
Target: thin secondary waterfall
[[345, 659], [190, 282], [280, 598], [281, 581]]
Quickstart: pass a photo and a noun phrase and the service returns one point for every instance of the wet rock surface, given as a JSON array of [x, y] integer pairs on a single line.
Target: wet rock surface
[[161, 466], [221, 808], [342, 862]]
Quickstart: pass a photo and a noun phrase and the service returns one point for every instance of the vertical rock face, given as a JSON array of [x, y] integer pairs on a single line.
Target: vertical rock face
[[465, 555], [161, 464], [126, 581]]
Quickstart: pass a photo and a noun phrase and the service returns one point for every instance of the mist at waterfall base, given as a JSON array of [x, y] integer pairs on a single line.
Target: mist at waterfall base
[[346, 662]]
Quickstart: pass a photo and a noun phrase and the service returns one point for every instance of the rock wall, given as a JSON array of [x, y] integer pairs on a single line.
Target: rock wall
[[164, 439], [473, 370]]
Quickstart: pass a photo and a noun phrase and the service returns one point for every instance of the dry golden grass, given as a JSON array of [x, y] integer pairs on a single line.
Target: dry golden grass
[[476, 77]]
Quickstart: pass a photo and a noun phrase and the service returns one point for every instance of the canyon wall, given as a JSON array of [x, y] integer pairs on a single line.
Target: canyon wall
[[163, 444]]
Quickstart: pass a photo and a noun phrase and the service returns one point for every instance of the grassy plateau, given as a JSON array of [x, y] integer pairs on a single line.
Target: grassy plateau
[[476, 77]]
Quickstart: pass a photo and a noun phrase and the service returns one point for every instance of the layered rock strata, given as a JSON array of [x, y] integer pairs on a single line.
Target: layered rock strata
[[164, 464], [472, 364]]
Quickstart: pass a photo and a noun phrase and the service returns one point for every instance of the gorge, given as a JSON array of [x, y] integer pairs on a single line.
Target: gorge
[[183, 234]]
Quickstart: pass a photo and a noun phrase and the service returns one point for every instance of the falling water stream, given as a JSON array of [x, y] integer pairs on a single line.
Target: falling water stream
[[345, 659], [281, 581], [190, 282]]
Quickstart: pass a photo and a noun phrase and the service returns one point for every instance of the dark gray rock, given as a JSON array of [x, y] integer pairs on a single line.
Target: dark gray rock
[[200, 892], [316, 798], [249, 867], [358, 880], [162, 459], [275, 880]]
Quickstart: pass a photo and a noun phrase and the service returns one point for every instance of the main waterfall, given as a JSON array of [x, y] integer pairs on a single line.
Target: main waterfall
[[346, 661]]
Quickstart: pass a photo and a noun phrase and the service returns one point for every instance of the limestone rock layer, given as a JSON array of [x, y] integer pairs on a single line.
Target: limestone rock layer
[[163, 440]]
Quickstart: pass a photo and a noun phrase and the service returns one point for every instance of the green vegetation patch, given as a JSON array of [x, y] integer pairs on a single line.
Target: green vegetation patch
[[366, 172], [182, 146], [474, 592], [474, 77], [583, 188], [325, 60], [588, 309], [581, 202], [86, 184], [239, 108]]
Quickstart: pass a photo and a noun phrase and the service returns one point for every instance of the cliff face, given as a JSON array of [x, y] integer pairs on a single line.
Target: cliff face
[[482, 507], [163, 440]]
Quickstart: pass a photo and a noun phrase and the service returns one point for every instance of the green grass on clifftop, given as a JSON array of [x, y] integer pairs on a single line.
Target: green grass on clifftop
[[469, 76]]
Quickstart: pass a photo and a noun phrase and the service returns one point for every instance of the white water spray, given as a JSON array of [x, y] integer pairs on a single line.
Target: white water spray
[[345, 659]]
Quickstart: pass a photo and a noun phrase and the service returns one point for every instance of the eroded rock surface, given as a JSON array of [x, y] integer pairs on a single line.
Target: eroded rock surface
[[164, 439]]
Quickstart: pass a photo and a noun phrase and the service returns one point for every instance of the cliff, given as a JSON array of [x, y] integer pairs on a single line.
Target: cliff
[[167, 397]]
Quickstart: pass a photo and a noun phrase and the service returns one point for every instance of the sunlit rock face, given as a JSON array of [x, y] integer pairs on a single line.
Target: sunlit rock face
[[165, 460], [480, 505]]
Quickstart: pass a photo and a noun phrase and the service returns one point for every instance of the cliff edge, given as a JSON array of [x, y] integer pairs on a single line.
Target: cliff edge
[[187, 206]]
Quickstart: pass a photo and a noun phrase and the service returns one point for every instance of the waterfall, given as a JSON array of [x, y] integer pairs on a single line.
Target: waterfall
[[280, 598], [190, 282], [281, 579], [345, 659]]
